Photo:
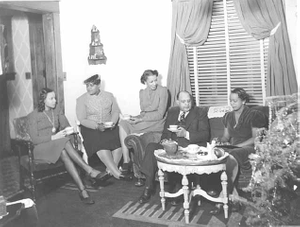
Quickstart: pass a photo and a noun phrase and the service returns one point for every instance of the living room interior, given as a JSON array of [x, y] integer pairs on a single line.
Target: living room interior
[[49, 45]]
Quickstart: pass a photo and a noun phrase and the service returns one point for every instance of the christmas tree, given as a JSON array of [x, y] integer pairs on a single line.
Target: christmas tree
[[275, 182]]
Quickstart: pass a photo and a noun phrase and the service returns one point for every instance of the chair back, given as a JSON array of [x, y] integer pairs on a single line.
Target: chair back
[[21, 128]]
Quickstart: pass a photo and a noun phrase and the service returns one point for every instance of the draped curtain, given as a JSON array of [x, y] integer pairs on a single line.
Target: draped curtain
[[266, 18], [190, 26]]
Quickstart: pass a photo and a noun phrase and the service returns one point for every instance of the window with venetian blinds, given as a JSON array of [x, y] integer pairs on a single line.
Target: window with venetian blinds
[[229, 58]]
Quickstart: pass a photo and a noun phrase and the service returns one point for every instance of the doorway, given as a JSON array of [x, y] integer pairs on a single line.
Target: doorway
[[31, 59]]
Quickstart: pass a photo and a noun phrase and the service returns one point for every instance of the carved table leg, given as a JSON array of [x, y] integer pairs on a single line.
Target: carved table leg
[[186, 204], [224, 192], [162, 190]]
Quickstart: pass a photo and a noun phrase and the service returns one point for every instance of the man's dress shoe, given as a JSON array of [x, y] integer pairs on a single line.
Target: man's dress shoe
[[139, 183], [126, 177], [176, 201], [145, 197]]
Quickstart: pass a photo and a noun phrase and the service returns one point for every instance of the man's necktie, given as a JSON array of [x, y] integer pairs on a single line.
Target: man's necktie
[[182, 117]]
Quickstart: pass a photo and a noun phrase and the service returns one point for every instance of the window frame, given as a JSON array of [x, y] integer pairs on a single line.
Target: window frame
[[257, 67]]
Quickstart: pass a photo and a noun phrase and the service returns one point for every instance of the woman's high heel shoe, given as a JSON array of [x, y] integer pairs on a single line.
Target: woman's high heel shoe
[[86, 200], [99, 180], [126, 177], [127, 168], [103, 176]]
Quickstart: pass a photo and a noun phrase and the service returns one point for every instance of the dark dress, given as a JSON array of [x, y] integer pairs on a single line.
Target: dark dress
[[40, 130], [242, 131], [94, 109]]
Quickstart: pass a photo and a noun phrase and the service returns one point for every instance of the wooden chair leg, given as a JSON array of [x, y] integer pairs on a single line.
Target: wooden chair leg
[[32, 186], [22, 180]]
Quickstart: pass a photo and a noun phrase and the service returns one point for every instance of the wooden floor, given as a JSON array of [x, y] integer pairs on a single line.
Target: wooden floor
[[58, 204]]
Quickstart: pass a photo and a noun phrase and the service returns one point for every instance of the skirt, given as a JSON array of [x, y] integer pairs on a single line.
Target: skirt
[[143, 127], [50, 151], [241, 155], [95, 140]]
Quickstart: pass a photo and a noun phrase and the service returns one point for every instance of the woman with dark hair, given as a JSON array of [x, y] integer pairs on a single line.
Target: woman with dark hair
[[47, 130], [241, 125], [153, 104], [94, 109]]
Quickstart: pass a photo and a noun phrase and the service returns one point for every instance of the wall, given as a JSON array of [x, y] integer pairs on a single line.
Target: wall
[[135, 35], [20, 89], [292, 11]]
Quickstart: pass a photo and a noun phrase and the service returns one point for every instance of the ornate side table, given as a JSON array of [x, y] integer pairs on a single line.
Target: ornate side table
[[185, 167]]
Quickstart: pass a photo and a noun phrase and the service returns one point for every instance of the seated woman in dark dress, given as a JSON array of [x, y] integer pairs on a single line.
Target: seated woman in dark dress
[[241, 125], [93, 109], [46, 129]]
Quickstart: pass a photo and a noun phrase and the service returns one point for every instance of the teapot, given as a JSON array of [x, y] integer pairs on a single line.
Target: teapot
[[170, 146]]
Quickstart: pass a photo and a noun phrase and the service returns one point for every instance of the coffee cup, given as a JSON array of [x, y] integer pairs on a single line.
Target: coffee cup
[[108, 124], [126, 117], [193, 148], [173, 127]]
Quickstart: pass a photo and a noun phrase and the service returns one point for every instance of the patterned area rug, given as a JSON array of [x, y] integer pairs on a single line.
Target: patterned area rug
[[174, 216], [9, 176]]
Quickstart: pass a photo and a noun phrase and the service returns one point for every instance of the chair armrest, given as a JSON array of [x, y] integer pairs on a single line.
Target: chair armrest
[[24, 147], [134, 142], [75, 139], [138, 145]]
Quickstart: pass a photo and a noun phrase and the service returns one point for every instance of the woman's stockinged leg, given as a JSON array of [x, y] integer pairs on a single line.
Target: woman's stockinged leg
[[123, 135], [73, 154], [107, 158], [232, 168], [71, 168], [117, 155], [231, 171]]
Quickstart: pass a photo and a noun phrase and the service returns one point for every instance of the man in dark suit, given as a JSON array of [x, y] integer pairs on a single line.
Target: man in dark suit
[[193, 129]]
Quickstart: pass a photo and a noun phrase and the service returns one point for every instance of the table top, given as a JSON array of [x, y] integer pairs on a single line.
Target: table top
[[183, 160], [191, 169]]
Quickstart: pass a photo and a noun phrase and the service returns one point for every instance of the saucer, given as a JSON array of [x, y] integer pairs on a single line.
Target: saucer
[[108, 124], [69, 130], [173, 130]]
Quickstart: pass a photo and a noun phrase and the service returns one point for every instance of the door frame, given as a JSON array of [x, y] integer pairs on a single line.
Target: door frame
[[52, 44]]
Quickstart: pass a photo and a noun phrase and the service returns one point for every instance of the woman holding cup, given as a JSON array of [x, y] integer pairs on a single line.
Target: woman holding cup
[[153, 104], [49, 129]]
